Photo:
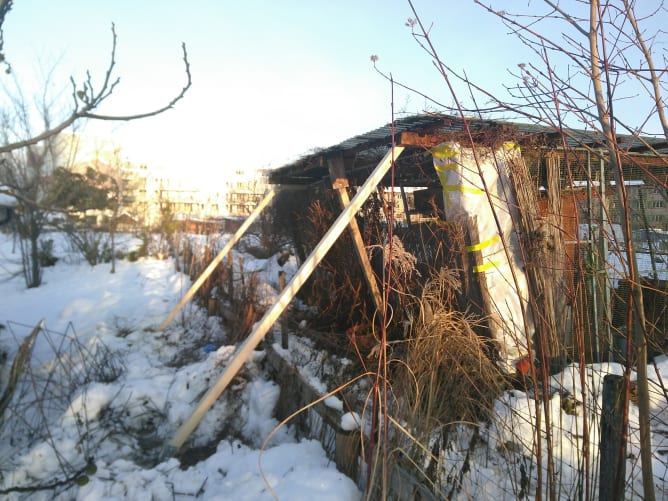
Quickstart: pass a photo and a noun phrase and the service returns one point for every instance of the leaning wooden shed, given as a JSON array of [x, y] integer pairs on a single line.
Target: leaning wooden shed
[[551, 241], [560, 214]]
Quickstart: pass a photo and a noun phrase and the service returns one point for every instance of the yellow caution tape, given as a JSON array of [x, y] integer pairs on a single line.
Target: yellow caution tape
[[463, 189], [449, 188], [481, 268], [444, 151], [444, 167], [483, 244]]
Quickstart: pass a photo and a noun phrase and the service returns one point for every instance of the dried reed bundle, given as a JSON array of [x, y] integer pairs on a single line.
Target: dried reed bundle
[[448, 375]]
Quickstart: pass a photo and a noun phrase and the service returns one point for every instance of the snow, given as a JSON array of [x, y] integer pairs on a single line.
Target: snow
[[334, 403], [350, 421], [122, 420], [115, 391], [5, 199]]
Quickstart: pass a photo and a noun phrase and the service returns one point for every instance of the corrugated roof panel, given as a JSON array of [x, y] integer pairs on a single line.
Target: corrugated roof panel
[[314, 166]]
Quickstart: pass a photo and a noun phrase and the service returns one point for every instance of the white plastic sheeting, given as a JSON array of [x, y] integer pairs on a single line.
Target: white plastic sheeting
[[464, 195]]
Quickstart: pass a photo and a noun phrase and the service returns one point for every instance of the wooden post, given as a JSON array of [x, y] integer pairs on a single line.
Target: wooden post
[[347, 452], [216, 261], [612, 446], [241, 274], [212, 306], [284, 327], [407, 210], [246, 348], [340, 184], [230, 277]]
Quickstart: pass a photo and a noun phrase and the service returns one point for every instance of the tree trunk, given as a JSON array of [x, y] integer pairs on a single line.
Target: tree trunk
[[35, 273], [636, 314], [112, 237]]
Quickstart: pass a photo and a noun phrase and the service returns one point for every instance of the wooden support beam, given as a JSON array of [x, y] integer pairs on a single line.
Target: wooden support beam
[[217, 260], [426, 141], [340, 184], [404, 200], [262, 327]]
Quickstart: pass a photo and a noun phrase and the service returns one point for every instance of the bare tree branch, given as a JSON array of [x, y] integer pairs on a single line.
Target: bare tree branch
[[571, 20], [92, 99], [170, 105], [5, 7], [647, 53]]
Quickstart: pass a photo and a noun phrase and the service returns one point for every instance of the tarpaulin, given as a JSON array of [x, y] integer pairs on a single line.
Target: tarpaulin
[[465, 195]]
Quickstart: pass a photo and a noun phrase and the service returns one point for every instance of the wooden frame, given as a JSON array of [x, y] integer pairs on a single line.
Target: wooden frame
[[245, 349]]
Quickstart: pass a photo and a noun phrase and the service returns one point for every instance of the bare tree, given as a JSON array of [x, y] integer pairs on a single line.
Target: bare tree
[[5, 7], [117, 184], [87, 97], [22, 173], [27, 157], [601, 40], [590, 58]]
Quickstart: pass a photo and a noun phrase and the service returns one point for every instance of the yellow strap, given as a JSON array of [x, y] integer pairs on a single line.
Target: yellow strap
[[484, 267], [444, 151], [444, 167], [509, 145], [483, 244], [463, 189]]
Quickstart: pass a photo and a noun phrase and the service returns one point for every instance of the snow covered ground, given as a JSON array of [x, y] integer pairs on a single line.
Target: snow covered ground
[[137, 387], [99, 414]]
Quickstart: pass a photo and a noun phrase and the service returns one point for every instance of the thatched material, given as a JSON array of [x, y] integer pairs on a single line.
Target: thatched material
[[449, 376], [543, 253]]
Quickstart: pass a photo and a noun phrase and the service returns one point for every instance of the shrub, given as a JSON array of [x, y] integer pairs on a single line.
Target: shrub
[[46, 257], [92, 245]]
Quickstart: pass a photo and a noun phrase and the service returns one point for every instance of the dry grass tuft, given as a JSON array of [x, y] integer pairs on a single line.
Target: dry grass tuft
[[445, 382], [448, 376]]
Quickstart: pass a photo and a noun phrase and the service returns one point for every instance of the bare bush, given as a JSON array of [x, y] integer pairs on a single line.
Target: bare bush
[[446, 380], [50, 387]]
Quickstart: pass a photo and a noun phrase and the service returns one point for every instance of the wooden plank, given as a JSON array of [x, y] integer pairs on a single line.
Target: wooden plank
[[217, 260], [297, 393], [404, 200], [340, 183], [302, 392], [421, 140], [262, 327], [429, 140]]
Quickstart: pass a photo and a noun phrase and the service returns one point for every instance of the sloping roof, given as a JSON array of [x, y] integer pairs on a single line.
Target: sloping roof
[[362, 152]]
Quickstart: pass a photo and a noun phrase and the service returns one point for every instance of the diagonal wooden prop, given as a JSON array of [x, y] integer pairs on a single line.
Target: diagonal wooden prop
[[262, 327], [216, 261]]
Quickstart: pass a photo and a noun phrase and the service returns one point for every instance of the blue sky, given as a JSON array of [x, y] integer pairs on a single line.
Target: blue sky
[[271, 79]]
